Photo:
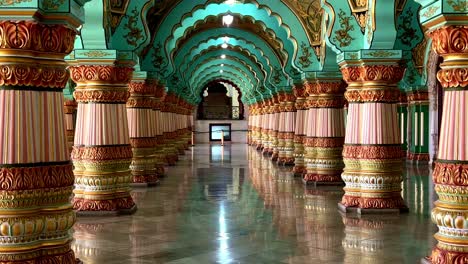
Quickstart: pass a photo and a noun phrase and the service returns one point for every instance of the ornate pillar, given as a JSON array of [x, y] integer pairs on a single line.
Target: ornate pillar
[[172, 154], [286, 129], [266, 141], [275, 130], [418, 102], [102, 152], [160, 157], [372, 152], [451, 167], [299, 130], [70, 107], [263, 138], [140, 124], [36, 173], [326, 131], [250, 125]]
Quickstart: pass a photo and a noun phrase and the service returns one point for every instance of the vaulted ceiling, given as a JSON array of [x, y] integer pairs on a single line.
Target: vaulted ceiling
[[268, 47]]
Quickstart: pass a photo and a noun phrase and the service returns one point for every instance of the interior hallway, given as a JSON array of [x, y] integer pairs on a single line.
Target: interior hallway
[[231, 205]]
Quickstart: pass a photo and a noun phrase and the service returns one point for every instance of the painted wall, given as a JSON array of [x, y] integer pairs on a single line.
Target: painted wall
[[236, 137]]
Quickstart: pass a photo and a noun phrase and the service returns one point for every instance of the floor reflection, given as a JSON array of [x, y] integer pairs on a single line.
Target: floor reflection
[[230, 204]]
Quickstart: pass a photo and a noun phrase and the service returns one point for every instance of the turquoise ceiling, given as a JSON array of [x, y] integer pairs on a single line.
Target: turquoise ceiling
[[270, 45]]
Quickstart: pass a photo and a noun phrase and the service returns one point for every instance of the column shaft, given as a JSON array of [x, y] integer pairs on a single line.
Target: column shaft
[[36, 180], [372, 151], [142, 139], [450, 174], [326, 131], [102, 152]]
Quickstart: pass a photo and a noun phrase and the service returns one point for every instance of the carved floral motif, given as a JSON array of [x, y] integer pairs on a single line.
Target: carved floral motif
[[108, 74]]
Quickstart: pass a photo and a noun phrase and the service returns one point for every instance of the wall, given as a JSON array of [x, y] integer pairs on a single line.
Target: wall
[[236, 137]]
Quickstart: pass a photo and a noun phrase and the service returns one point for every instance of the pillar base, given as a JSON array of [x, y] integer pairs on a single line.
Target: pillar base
[[369, 211], [299, 171], [320, 179], [144, 180], [285, 161], [62, 258], [119, 206]]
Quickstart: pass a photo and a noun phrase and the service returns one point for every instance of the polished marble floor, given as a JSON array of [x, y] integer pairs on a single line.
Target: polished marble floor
[[231, 205]]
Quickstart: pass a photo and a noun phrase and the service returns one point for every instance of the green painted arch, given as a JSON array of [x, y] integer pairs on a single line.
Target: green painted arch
[[185, 14], [228, 79], [235, 35], [227, 69], [250, 9], [236, 32], [228, 61], [216, 53], [261, 52], [228, 73]]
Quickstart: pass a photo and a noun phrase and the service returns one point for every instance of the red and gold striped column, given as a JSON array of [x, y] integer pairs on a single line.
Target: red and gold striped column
[[286, 129], [167, 109], [140, 124], [275, 128], [450, 174], [326, 131], [102, 152], [36, 180], [160, 157], [299, 130], [372, 152], [266, 141], [263, 136], [70, 107]]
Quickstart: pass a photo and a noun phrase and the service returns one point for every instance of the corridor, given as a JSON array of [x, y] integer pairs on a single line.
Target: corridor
[[232, 205]]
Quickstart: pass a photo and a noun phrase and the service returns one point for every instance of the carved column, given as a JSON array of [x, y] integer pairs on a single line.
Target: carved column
[[70, 107], [275, 130], [36, 173], [102, 152], [286, 129], [326, 128], [263, 125], [266, 141], [172, 154], [142, 139], [157, 130], [299, 130], [418, 102], [372, 152], [450, 174]]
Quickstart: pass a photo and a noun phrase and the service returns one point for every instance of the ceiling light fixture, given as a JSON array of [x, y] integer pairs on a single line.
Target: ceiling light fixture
[[227, 20], [223, 56], [222, 64], [224, 45], [221, 71]]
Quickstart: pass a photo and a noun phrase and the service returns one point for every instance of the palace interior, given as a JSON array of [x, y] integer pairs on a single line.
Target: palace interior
[[233, 131]]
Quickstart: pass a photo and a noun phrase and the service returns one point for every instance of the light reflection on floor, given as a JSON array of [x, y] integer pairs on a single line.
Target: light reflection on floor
[[232, 205]]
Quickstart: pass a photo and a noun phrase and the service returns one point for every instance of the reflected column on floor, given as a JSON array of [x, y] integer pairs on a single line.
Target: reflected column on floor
[[286, 128], [372, 151], [451, 168], [266, 140], [320, 220], [36, 173], [326, 129], [300, 130], [140, 123], [102, 152], [365, 238]]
